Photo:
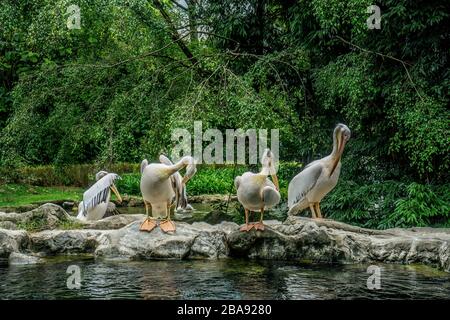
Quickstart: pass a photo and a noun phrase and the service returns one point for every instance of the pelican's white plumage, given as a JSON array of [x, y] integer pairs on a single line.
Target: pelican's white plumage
[[178, 187], [256, 192], [96, 198], [161, 187], [318, 178]]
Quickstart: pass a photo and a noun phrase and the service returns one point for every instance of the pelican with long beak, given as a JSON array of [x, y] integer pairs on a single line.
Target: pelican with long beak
[[96, 199], [318, 178], [256, 192], [159, 187]]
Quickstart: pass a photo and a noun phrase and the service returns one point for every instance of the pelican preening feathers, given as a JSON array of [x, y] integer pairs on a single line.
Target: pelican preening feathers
[[256, 192], [318, 178], [96, 199], [162, 188]]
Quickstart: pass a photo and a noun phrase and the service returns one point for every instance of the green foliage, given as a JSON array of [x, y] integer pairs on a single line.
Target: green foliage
[[421, 207], [70, 175], [114, 90], [389, 204], [213, 179], [70, 225], [32, 225], [129, 184]]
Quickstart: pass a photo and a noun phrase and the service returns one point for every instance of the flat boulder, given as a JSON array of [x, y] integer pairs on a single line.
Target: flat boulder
[[113, 222], [328, 241], [47, 216], [52, 242], [12, 241], [199, 240]]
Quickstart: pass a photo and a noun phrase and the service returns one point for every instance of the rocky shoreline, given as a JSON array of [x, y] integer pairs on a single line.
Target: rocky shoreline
[[299, 239]]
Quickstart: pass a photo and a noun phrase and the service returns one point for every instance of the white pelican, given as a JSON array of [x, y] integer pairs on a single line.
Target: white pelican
[[96, 199], [256, 192], [159, 188], [178, 187], [318, 178]]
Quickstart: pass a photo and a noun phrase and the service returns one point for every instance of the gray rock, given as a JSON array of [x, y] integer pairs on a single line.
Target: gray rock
[[334, 242], [51, 242], [113, 222], [8, 225], [12, 241], [199, 240], [211, 198], [16, 258], [298, 238], [49, 216]]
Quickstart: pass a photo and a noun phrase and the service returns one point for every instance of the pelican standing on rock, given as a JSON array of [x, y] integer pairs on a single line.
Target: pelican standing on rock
[[256, 192], [178, 187], [318, 178], [96, 199], [159, 188]]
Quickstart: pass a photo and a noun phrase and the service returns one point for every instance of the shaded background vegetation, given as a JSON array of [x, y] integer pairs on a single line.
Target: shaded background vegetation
[[113, 91]]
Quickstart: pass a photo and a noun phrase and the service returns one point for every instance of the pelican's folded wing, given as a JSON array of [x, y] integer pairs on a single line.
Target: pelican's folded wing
[[177, 185], [303, 183], [144, 163], [98, 193]]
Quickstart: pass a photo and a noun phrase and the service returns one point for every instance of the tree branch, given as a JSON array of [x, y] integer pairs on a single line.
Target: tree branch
[[174, 33], [385, 56]]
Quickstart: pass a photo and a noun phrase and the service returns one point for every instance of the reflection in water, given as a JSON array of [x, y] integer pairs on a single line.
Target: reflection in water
[[222, 279]]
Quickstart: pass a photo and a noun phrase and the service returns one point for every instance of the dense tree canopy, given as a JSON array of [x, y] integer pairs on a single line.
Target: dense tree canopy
[[114, 89]]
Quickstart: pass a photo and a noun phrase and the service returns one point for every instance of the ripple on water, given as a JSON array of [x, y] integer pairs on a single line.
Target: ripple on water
[[223, 279]]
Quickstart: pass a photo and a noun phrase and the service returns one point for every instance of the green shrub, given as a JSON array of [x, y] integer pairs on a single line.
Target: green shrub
[[388, 204], [129, 184], [421, 207], [70, 225], [79, 175], [33, 225], [214, 179]]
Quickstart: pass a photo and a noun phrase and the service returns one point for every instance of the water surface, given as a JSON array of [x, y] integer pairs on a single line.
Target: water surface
[[223, 279]]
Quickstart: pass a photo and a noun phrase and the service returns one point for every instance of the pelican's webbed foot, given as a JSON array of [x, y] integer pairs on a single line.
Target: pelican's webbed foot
[[167, 226], [148, 225], [247, 227], [259, 226]]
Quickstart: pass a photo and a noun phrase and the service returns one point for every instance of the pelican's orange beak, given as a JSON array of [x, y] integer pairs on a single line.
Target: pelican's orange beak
[[341, 144], [116, 192], [275, 182]]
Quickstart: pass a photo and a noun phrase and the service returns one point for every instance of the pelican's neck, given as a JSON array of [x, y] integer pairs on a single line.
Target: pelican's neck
[[265, 171], [335, 154], [179, 165]]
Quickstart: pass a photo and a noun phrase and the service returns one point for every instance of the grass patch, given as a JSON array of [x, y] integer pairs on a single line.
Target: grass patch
[[33, 225], [70, 225], [17, 195]]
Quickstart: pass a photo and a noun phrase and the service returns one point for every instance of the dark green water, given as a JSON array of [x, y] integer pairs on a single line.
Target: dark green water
[[224, 279]]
